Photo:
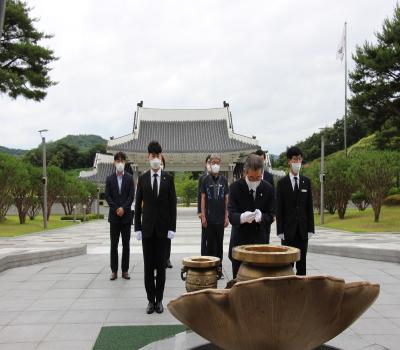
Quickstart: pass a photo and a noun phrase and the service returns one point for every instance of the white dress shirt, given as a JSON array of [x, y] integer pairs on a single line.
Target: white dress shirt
[[152, 172], [293, 181]]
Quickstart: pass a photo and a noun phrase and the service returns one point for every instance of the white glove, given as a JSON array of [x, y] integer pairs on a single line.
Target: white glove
[[139, 235], [282, 236], [258, 215], [247, 216], [310, 234], [171, 234]]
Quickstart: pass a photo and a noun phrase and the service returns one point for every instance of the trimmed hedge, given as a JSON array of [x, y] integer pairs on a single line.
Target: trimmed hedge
[[392, 201], [81, 218]]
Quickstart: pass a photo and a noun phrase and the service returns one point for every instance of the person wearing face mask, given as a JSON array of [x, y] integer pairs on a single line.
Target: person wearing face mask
[[155, 223], [214, 214], [295, 212], [207, 170], [119, 195], [250, 208]]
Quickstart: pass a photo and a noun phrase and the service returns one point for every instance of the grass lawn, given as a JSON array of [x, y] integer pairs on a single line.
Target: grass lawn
[[133, 337], [11, 226], [363, 221]]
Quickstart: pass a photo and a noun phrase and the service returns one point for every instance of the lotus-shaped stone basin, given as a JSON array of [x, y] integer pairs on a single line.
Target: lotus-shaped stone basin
[[275, 313]]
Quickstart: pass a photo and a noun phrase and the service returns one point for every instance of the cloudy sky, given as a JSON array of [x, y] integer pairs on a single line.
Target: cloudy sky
[[273, 61]]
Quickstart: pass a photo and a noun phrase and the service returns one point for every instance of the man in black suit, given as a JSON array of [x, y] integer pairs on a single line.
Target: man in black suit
[[207, 170], [295, 212], [267, 176], [250, 208], [120, 191], [155, 223]]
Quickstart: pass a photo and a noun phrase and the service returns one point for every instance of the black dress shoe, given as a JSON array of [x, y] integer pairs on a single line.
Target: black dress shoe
[[159, 307], [113, 276], [126, 276], [150, 308], [169, 265]]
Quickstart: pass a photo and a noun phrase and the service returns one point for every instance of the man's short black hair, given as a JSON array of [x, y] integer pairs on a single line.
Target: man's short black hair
[[293, 152], [260, 153], [120, 156], [208, 158], [154, 147]]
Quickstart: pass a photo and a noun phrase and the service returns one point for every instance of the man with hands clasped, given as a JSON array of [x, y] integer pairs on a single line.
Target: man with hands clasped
[[120, 191], [294, 210], [250, 208], [155, 223]]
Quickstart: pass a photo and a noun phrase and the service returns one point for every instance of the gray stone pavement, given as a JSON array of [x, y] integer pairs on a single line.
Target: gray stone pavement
[[63, 304]]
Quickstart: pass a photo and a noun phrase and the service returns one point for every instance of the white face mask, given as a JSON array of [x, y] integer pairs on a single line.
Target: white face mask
[[155, 163], [215, 168], [120, 167], [295, 167], [252, 184]]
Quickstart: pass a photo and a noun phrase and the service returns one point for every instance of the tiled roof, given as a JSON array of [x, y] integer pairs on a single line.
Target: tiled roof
[[193, 136], [99, 175]]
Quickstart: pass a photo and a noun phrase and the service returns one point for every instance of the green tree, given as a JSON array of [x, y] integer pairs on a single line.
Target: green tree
[[89, 195], [55, 187], [340, 181], [72, 194], [186, 188], [24, 63], [375, 83], [20, 190], [8, 164], [375, 174], [35, 175]]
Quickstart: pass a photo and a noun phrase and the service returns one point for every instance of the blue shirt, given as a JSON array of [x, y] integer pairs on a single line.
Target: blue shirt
[[119, 179]]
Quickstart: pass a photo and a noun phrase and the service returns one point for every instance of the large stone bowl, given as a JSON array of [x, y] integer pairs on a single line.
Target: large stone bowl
[[275, 313], [264, 260]]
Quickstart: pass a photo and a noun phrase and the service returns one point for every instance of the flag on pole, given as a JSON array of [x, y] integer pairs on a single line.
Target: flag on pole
[[341, 46]]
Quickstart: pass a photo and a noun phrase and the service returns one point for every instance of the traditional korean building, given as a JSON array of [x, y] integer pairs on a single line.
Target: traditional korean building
[[187, 136]]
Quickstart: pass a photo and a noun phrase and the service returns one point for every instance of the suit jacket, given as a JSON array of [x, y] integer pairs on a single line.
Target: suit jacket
[[155, 215], [291, 214], [116, 200], [240, 201], [269, 178]]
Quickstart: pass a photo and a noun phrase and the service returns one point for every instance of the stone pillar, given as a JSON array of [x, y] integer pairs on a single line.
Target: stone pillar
[[230, 173], [135, 170]]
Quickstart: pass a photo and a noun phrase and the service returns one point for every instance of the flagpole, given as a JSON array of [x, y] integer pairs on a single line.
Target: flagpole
[[345, 88]]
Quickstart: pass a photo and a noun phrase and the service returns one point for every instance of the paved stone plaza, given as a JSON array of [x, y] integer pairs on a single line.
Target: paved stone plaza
[[64, 303]]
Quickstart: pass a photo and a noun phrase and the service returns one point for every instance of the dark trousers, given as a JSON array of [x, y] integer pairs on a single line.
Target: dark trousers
[[215, 239], [203, 241], [302, 244], [117, 229], [154, 256], [235, 267], [168, 249]]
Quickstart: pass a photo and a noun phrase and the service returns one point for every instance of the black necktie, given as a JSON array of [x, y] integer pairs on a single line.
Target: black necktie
[[296, 185], [155, 186], [252, 199]]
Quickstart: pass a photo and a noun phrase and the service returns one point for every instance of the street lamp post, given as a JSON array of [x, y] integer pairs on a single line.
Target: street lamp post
[[44, 178], [322, 177]]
